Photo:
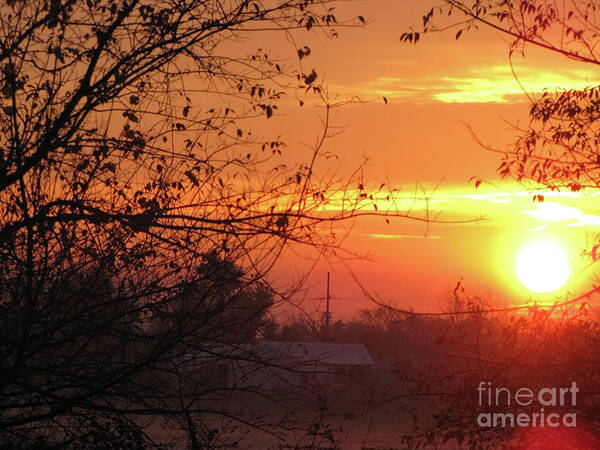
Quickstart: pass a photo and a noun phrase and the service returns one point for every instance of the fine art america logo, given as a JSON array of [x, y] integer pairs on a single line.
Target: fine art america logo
[[546, 398]]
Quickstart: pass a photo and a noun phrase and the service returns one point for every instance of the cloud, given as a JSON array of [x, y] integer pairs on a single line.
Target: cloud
[[504, 205], [400, 236], [555, 212], [483, 84]]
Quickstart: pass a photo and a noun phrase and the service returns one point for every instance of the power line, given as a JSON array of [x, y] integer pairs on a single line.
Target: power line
[[334, 298]]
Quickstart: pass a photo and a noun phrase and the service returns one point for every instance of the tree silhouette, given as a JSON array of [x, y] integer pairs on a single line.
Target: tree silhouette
[[139, 215], [220, 302]]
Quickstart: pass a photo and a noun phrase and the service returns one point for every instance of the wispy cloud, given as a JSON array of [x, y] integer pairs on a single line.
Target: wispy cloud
[[555, 212], [560, 207], [400, 236], [485, 84], [464, 204]]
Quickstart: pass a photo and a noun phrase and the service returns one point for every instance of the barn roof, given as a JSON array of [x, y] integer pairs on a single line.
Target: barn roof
[[285, 353], [317, 352]]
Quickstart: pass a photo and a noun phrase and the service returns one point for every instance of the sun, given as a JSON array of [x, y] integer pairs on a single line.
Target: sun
[[542, 267]]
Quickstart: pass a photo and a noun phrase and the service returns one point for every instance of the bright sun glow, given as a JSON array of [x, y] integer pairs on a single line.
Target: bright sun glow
[[542, 267]]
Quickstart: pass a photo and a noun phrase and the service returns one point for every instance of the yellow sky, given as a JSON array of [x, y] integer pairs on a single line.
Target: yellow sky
[[420, 139]]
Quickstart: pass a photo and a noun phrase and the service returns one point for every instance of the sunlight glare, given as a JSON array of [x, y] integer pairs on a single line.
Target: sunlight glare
[[542, 267]]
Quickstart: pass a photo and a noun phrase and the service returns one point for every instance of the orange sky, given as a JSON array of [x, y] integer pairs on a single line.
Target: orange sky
[[420, 139]]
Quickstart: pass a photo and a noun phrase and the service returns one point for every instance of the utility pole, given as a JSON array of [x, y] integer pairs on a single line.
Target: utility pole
[[327, 313]]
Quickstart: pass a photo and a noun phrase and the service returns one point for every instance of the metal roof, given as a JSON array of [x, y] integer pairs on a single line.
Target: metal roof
[[317, 352], [275, 352]]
